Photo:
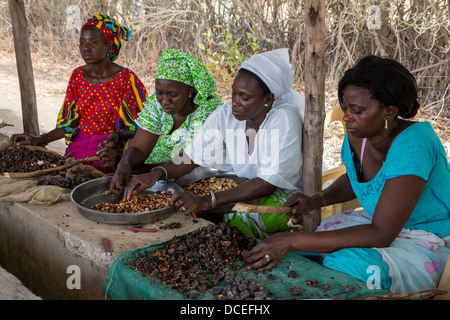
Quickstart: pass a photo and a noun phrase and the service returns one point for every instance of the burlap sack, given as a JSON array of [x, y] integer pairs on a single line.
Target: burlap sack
[[27, 190], [4, 142], [84, 169]]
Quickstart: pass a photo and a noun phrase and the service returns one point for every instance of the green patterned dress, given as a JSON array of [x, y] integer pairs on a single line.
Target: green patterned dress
[[262, 225]]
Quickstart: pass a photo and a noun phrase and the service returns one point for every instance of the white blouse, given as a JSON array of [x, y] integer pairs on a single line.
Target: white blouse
[[277, 154]]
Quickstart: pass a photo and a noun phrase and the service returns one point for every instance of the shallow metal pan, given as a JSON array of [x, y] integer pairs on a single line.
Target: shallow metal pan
[[200, 173], [93, 192]]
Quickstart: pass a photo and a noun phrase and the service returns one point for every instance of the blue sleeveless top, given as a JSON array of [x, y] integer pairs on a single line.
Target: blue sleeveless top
[[417, 151]]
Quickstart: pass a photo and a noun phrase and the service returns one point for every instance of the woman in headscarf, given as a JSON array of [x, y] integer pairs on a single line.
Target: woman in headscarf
[[102, 98], [185, 95], [257, 135], [399, 172]]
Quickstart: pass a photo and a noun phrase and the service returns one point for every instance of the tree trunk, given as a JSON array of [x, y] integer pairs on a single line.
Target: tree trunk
[[24, 67], [314, 104]]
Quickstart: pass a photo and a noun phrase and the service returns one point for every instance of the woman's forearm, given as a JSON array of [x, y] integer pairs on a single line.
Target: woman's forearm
[[361, 236], [394, 208], [176, 170], [339, 191], [140, 148], [133, 157], [248, 190], [54, 134], [128, 135]]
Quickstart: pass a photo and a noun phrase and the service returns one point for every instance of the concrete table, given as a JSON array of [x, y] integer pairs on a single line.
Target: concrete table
[[58, 254]]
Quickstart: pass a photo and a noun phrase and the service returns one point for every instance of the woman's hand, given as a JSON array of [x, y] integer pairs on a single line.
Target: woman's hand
[[141, 182], [121, 178], [268, 253], [108, 157], [301, 203], [27, 139], [190, 203], [107, 152], [112, 140]]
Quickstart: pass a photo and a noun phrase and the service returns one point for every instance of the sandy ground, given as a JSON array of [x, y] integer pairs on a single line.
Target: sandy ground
[[50, 84]]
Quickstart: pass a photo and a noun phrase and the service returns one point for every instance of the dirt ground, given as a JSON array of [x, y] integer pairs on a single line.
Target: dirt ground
[[51, 81]]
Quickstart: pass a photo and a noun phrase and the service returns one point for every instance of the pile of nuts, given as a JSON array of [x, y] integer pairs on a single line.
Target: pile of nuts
[[199, 261], [60, 179], [204, 186], [143, 203], [23, 159], [239, 288], [172, 225]]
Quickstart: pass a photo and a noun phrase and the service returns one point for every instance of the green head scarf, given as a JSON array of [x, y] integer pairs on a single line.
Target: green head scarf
[[182, 67]]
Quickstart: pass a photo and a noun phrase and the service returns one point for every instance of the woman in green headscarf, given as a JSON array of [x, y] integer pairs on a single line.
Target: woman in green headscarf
[[185, 95]]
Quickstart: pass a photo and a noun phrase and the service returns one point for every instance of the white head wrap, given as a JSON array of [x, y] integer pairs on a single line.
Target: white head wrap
[[274, 69]]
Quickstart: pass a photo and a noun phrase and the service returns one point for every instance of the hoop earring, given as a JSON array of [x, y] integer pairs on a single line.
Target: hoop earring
[[385, 124]]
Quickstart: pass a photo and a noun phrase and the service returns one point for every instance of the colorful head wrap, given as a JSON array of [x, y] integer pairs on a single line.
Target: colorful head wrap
[[112, 31], [182, 67]]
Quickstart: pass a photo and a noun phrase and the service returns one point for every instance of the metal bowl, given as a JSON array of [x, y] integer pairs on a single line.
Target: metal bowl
[[93, 191], [200, 173]]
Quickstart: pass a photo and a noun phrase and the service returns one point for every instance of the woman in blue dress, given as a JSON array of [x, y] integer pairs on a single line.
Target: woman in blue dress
[[399, 172]]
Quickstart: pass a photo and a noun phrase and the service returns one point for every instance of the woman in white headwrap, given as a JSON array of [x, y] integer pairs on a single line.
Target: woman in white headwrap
[[257, 135]]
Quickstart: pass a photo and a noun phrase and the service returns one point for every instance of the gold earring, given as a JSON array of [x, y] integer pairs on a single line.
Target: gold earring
[[385, 124], [266, 105]]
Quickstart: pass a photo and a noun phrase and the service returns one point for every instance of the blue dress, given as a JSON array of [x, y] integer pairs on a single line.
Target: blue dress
[[417, 151], [421, 250]]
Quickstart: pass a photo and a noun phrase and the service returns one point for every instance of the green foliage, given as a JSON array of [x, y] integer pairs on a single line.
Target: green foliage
[[225, 57]]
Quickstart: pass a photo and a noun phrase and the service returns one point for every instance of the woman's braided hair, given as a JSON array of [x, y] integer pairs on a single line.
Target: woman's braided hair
[[389, 82]]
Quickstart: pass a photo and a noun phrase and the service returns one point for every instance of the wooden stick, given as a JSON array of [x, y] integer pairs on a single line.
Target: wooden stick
[[69, 163], [407, 296], [24, 66], [260, 209], [4, 124]]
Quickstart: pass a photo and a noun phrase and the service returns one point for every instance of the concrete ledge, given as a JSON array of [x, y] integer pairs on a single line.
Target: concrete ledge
[[12, 288], [39, 243]]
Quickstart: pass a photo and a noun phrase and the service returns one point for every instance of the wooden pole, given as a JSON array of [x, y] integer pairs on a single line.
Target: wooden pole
[[24, 67], [314, 15]]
